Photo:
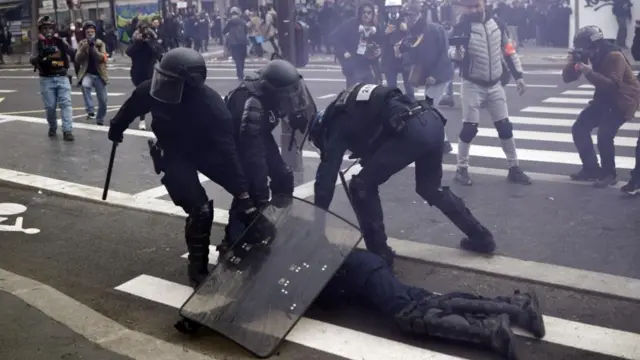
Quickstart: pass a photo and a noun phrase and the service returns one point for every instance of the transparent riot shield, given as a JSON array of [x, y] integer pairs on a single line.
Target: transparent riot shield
[[260, 289]]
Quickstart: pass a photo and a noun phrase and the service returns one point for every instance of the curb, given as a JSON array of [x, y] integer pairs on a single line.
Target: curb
[[92, 325], [442, 256]]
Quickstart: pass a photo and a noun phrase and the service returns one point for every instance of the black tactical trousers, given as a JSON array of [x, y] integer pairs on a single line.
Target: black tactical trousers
[[421, 142], [608, 121]]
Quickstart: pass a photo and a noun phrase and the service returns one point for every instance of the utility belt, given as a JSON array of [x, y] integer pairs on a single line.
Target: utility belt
[[157, 156]]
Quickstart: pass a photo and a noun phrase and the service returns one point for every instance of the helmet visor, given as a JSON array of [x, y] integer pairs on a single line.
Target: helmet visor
[[166, 87]]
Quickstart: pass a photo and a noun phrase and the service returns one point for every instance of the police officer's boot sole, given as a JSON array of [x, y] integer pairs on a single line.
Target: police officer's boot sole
[[531, 318]]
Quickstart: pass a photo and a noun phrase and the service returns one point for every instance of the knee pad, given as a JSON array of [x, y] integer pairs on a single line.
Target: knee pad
[[283, 183], [199, 221], [505, 129], [468, 132]]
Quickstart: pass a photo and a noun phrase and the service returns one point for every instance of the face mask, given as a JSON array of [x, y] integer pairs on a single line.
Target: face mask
[[73, 28], [91, 37], [48, 33]]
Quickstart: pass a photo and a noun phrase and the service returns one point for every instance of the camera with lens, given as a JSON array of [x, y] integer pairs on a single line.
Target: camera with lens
[[579, 56]]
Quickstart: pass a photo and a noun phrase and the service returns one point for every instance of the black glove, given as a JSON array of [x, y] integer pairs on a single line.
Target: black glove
[[115, 135], [259, 228]]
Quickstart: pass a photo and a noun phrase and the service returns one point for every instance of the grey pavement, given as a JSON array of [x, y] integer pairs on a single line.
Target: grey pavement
[[135, 275], [24, 326]]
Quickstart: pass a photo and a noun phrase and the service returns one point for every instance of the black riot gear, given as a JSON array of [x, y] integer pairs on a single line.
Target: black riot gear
[[281, 82], [179, 68]]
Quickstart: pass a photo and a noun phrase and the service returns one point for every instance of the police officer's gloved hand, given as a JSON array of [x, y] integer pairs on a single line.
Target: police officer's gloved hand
[[260, 228], [115, 134]]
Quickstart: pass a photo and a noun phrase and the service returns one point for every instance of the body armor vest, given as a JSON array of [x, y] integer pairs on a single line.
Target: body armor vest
[[361, 111]]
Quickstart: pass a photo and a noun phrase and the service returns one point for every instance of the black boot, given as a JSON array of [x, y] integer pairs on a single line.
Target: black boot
[[523, 309], [479, 238], [491, 332], [197, 233], [529, 316]]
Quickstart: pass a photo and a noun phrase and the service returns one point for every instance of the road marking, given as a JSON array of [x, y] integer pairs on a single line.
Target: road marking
[[559, 331], [110, 109], [328, 96], [307, 189], [42, 111], [1, 99], [494, 152], [558, 110], [233, 78], [578, 92], [599, 283], [79, 93], [7, 91], [525, 120], [92, 325], [160, 191], [553, 137], [562, 100], [586, 86], [328, 338]]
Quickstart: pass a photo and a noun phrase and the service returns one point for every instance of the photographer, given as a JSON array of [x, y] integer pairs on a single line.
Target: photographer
[[633, 186], [144, 51], [616, 98], [393, 62]]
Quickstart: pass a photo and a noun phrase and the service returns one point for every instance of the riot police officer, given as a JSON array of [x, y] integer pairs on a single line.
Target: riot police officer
[[195, 134], [272, 93], [387, 131]]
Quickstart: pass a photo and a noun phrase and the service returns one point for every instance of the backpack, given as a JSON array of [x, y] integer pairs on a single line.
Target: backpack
[[235, 104]]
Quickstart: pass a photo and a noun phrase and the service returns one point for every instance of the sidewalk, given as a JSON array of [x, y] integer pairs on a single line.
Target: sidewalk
[[27, 333]]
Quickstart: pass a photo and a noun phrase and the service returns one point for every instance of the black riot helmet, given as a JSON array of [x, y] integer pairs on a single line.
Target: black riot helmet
[[179, 68], [281, 82], [588, 38]]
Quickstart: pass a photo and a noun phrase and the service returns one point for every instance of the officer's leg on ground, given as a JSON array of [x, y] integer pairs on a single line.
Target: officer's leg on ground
[[633, 186], [497, 108], [472, 98], [588, 119], [364, 278], [606, 133], [394, 155], [182, 183]]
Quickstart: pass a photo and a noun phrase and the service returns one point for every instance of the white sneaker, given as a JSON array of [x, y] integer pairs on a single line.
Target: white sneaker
[[142, 125]]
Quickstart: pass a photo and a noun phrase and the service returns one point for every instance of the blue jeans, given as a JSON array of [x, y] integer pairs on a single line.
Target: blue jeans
[[101, 95], [392, 81], [56, 91]]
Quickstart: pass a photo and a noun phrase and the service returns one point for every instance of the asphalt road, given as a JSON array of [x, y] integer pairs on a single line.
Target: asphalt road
[[137, 279], [590, 233]]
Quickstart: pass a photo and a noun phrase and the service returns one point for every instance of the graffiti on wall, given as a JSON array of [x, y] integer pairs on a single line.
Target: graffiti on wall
[[597, 4], [125, 13]]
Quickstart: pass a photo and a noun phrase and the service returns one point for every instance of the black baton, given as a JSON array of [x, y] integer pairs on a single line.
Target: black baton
[[109, 170]]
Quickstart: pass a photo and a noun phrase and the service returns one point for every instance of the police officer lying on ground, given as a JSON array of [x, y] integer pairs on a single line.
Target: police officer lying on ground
[[195, 133], [615, 100], [388, 131], [364, 279], [274, 92]]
